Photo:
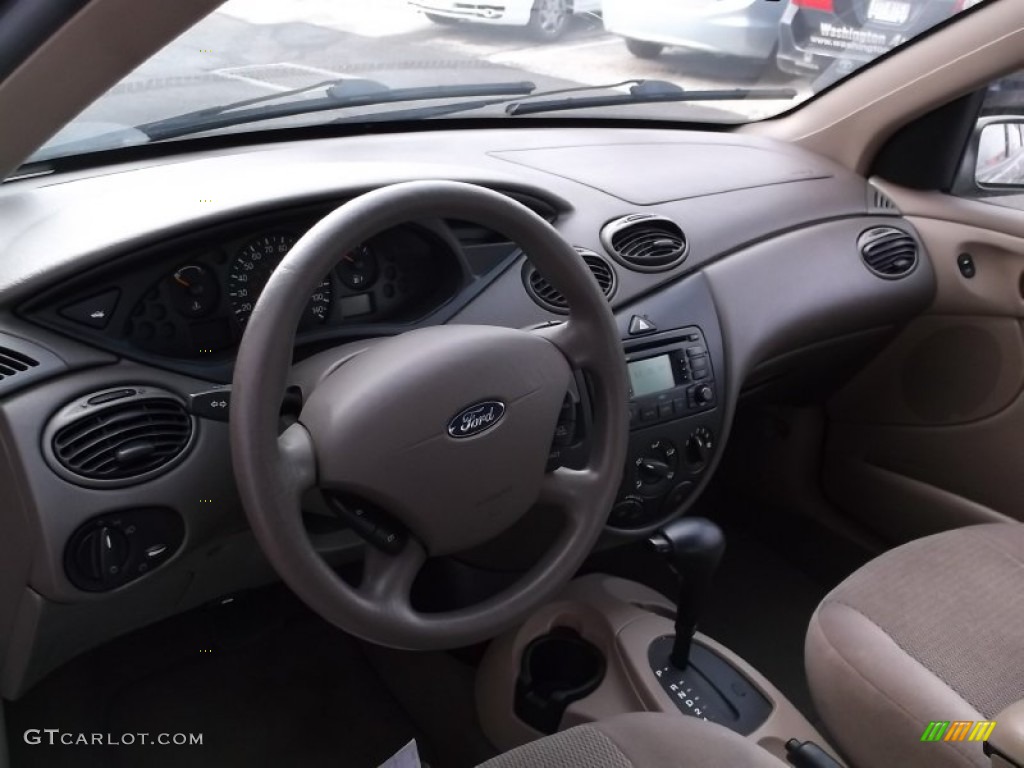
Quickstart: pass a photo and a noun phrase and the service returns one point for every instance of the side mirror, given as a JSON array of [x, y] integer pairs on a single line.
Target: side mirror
[[999, 154]]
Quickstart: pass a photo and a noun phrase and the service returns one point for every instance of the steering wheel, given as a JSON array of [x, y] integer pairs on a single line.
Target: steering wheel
[[446, 428]]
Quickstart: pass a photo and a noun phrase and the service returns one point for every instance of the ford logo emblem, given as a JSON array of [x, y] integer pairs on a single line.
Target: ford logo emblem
[[476, 419]]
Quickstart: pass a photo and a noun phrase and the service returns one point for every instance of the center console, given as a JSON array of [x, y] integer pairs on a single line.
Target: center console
[[603, 648], [674, 421]]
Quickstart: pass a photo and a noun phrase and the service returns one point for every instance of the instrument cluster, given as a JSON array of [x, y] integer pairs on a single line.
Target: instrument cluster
[[201, 302]]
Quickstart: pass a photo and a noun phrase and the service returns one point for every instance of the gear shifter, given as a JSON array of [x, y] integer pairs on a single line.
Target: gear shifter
[[694, 546], [697, 678]]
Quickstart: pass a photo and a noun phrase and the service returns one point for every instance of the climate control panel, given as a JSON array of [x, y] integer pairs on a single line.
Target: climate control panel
[[674, 425]]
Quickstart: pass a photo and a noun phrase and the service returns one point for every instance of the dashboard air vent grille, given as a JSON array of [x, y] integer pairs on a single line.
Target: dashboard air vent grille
[[879, 202], [645, 242], [888, 252], [125, 440], [545, 294], [12, 363]]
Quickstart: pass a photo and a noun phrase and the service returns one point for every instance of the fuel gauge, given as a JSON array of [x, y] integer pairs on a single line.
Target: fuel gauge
[[358, 268], [194, 290]]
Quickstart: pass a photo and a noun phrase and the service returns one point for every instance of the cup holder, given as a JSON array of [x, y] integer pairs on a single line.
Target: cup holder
[[556, 669]]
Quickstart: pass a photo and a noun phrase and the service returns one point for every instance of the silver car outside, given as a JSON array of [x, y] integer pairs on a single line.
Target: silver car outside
[[742, 28]]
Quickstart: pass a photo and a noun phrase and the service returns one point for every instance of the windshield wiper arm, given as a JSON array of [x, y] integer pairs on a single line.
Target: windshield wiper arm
[[340, 94], [646, 92]]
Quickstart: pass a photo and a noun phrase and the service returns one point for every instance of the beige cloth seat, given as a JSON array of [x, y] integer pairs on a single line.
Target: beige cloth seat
[[640, 740], [932, 630]]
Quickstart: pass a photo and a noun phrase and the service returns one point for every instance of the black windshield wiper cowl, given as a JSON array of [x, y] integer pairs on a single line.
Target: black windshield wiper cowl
[[646, 92]]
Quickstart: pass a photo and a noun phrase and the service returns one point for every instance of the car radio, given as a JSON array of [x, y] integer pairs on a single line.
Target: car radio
[[669, 380]]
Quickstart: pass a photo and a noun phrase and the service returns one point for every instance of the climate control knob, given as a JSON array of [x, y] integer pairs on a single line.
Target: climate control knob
[[628, 513], [699, 447], [656, 466]]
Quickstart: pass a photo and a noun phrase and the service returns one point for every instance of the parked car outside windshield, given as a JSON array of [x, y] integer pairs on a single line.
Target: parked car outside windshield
[[546, 20], [832, 38], [264, 65], [743, 29]]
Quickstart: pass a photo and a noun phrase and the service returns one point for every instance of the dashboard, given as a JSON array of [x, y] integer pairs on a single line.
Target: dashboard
[[729, 263]]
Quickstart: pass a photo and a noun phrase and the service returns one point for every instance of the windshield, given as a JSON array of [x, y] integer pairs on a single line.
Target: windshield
[[263, 64]]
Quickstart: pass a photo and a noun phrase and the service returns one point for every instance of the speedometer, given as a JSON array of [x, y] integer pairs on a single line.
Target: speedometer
[[251, 268]]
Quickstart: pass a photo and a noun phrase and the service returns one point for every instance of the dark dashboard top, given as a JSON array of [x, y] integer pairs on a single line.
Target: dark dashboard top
[[160, 261]]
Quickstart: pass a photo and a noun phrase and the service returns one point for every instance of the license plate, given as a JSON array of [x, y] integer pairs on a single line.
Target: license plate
[[889, 11]]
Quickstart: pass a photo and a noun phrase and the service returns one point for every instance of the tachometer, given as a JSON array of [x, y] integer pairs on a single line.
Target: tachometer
[[251, 268]]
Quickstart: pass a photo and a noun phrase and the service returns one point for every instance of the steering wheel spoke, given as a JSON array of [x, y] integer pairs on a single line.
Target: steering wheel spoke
[[297, 458], [387, 579], [570, 339], [567, 489]]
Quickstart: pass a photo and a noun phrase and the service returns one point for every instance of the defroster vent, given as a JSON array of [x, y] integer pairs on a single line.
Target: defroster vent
[[120, 437], [645, 242], [545, 294], [13, 362], [888, 252]]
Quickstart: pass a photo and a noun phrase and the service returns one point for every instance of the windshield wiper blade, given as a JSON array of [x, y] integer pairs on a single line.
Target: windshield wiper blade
[[645, 92], [441, 110], [339, 94]]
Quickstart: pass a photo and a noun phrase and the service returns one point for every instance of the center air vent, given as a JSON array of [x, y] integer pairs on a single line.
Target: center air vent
[[645, 242], [119, 437], [888, 252], [545, 294]]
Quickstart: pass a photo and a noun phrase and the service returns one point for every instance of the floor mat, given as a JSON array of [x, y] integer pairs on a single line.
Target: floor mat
[[268, 684]]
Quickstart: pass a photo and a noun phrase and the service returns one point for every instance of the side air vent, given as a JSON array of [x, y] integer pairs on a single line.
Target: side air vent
[[12, 363], [545, 294], [645, 242], [119, 437], [888, 252], [23, 361], [879, 202]]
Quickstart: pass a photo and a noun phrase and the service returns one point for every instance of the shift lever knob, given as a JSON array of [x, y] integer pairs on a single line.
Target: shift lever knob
[[694, 546]]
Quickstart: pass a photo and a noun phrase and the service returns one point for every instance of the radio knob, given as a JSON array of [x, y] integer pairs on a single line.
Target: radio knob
[[704, 394]]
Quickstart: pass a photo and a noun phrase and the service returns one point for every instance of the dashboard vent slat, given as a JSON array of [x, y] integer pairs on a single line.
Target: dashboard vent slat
[[12, 363], [126, 440], [645, 242], [547, 296], [879, 202], [888, 252]]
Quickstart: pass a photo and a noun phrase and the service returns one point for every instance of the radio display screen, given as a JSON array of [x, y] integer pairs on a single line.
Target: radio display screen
[[651, 375]]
